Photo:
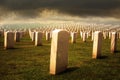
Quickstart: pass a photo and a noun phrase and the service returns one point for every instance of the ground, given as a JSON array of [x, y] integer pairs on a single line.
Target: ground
[[28, 62]]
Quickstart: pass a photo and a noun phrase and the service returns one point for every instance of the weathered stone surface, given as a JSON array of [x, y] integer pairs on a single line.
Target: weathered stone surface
[[113, 42], [97, 44], [59, 51], [8, 40]]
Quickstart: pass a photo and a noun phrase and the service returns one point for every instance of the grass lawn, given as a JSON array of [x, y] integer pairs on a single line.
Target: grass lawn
[[27, 62]]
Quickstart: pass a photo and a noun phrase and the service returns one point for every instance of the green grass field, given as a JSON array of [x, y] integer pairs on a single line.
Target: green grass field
[[27, 62]]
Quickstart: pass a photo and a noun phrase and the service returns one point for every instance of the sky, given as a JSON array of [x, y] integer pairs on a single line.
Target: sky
[[31, 9]]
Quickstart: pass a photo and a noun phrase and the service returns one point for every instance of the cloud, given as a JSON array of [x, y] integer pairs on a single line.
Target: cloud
[[33, 8]]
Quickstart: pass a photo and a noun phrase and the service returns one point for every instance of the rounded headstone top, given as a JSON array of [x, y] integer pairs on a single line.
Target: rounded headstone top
[[114, 32], [97, 31], [58, 30]]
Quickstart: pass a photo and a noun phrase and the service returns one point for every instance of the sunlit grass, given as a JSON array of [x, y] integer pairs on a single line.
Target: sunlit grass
[[28, 62]]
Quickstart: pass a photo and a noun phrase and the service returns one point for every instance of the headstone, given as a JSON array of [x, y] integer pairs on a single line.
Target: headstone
[[113, 41], [81, 34], [8, 40], [51, 34], [104, 35], [59, 51], [84, 37], [88, 34], [92, 36], [38, 38], [97, 44], [33, 36], [73, 37], [47, 36], [109, 35], [17, 36], [30, 34]]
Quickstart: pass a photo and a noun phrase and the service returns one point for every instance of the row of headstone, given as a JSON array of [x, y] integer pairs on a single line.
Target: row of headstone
[[10, 38], [84, 29], [36, 38], [32, 35], [97, 43], [85, 35], [59, 49], [74, 27]]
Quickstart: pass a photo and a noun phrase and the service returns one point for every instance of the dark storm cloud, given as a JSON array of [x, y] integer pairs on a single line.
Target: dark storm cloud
[[109, 8]]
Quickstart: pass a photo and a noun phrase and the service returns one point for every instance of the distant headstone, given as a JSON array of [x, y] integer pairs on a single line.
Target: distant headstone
[[73, 37], [33, 36], [109, 35], [17, 36], [92, 36], [30, 34], [88, 34], [84, 37], [38, 38], [104, 35], [81, 34], [8, 40], [59, 51], [97, 44], [47, 36], [113, 41]]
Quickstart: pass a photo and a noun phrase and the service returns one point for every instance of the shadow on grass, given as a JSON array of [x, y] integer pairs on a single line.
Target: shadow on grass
[[10, 48], [68, 70], [103, 57], [117, 51]]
